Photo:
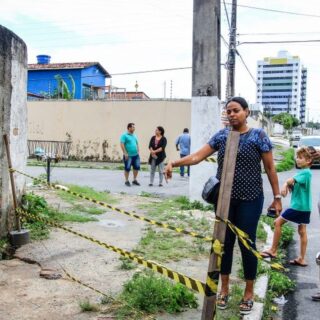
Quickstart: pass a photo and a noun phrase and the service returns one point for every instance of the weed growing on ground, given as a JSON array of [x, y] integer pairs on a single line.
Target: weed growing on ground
[[127, 264], [287, 162], [87, 306], [232, 312], [150, 293], [42, 176], [86, 191], [279, 283], [38, 205], [169, 246], [261, 233], [287, 231], [90, 210]]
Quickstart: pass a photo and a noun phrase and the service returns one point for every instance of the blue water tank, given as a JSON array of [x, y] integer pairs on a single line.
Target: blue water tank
[[43, 59]]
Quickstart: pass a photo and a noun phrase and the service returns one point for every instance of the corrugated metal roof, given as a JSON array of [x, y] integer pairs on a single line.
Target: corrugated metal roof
[[66, 66]]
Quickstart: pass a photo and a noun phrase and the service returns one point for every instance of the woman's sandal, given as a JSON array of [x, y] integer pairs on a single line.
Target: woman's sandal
[[222, 301], [245, 306]]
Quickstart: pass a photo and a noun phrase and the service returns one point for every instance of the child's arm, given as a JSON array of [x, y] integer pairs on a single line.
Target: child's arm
[[288, 185]]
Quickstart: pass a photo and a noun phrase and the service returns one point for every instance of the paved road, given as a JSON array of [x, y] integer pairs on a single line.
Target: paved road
[[300, 306]]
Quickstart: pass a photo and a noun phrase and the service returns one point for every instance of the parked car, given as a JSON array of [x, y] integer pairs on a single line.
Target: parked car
[[311, 141], [295, 138]]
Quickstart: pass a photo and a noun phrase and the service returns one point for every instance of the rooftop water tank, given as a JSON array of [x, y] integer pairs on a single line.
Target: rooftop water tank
[[43, 59]]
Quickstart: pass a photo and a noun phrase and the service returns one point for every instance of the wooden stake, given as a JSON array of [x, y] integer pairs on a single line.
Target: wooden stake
[[222, 211], [14, 196]]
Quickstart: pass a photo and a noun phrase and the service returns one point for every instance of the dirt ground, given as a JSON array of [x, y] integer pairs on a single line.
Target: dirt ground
[[25, 295]]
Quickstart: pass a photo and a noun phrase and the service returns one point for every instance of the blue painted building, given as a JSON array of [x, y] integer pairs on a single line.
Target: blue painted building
[[89, 78]]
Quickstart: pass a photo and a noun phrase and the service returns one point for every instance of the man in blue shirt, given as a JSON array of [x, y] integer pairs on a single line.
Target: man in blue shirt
[[130, 148], [183, 145]]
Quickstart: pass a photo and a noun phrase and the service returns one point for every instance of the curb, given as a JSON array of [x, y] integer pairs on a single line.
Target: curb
[[261, 285]]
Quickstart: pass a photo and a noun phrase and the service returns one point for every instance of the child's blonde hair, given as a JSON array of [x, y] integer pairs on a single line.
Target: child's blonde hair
[[308, 153]]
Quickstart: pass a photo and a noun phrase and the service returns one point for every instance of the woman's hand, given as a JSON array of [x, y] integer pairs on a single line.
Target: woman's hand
[[168, 171], [277, 205]]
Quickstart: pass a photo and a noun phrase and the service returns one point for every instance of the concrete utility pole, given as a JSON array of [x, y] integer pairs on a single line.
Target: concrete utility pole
[[232, 52], [13, 123]]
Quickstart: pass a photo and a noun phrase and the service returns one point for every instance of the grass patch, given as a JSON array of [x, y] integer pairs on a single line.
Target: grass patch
[[168, 246], [38, 205], [261, 233], [280, 283], [287, 162], [86, 191], [127, 264], [287, 231], [90, 210], [232, 312], [87, 306], [148, 292]]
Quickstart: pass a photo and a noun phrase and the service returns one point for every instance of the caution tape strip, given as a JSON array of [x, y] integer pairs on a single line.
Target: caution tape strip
[[245, 240], [190, 283], [211, 159], [130, 214]]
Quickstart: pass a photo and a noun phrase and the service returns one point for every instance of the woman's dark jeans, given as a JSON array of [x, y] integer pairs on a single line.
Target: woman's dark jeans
[[245, 215]]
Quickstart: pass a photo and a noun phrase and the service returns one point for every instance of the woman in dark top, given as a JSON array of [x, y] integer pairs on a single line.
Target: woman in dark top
[[247, 192], [157, 147]]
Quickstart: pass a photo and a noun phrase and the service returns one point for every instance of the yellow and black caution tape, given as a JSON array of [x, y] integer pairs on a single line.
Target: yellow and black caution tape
[[190, 283], [245, 240], [211, 159], [130, 214]]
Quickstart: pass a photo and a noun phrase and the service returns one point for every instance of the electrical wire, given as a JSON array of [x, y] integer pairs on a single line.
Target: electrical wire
[[280, 41], [276, 33], [227, 15], [278, 11], [247, 68]]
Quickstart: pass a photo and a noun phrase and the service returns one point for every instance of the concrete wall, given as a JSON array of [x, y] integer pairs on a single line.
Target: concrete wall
[[95, 126], [13, 119]]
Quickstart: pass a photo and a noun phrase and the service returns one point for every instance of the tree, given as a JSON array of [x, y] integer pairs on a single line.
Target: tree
[[287, 120], [62, 88]]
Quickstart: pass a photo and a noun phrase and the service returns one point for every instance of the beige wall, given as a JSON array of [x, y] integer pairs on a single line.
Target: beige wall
[[95, 126]]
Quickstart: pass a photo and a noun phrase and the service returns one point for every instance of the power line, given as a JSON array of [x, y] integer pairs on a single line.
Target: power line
[[247, 68], [280, 41], [276, 33], [227, 15], [278, 11], [118, 74]]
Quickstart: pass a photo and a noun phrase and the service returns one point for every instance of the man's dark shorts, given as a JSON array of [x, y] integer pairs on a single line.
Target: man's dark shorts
[[131, 161]]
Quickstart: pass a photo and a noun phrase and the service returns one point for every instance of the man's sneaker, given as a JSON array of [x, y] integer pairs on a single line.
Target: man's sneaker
[[127, 183], [136, 182]]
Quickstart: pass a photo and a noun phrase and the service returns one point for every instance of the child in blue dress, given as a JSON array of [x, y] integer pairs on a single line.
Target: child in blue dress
[[300, 207]]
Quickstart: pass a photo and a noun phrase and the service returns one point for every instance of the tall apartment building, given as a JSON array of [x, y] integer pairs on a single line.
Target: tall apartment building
[[282, 85]]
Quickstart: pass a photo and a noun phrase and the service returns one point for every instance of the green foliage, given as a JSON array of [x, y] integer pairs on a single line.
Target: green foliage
[[86, 191], [87, 306], [63, 90], [148, 292], [186, 204], [232, 312], [38, 205], [261, 233], [287, 162], [167, 245], [127, 264], [279, 283], [287, 120]]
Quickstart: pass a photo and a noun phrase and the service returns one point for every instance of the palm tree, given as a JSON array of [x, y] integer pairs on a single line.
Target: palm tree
[[62, 88]]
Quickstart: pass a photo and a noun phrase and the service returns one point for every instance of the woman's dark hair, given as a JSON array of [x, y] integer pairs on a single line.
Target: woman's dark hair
[[161, 130], [243, 103]]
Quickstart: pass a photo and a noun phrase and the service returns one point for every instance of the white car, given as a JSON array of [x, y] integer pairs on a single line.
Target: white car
[[295, 138], [311, 141]]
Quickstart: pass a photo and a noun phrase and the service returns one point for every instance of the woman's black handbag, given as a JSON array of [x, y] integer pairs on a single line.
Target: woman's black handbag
[[210, 192]]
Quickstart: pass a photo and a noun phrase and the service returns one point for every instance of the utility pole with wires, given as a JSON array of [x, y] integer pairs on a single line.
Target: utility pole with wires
[[231, 64]]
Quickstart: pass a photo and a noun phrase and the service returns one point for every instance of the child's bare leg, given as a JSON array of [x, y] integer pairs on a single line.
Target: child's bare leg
[[302, 230], [276, 236]]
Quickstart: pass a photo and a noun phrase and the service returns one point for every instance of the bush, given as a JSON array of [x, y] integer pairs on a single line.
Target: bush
[[150, 293], [287, 163], [279, 283]]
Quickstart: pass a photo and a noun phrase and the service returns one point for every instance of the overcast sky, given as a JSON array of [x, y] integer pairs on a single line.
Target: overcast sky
[[127, 36]]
